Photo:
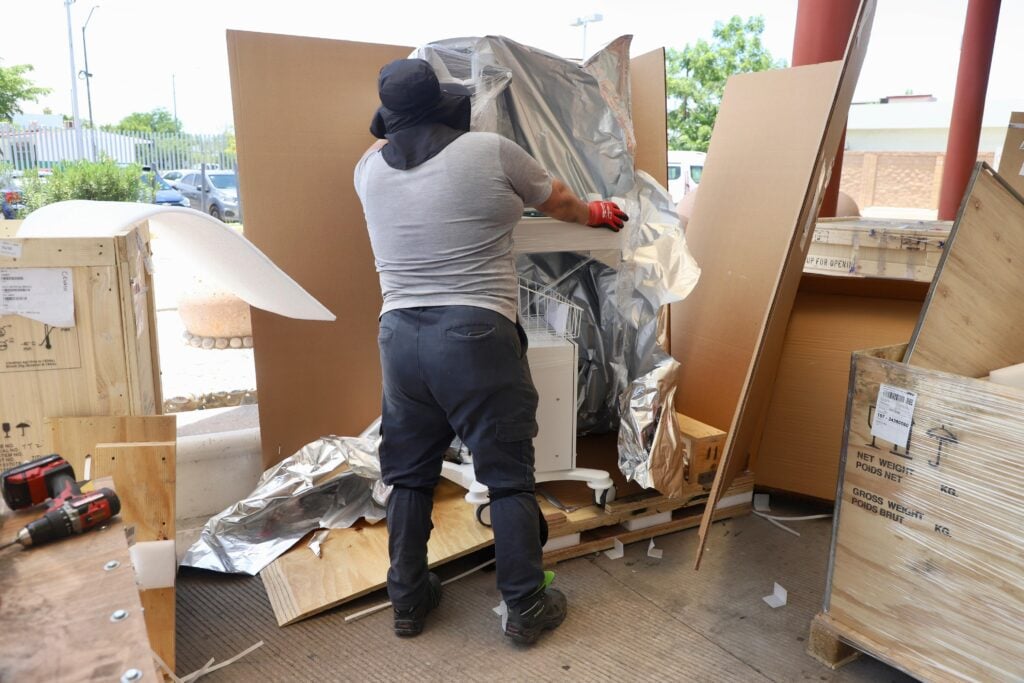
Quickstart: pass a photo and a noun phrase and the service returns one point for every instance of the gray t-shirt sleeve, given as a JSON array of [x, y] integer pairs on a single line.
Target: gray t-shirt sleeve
[[528, 178]]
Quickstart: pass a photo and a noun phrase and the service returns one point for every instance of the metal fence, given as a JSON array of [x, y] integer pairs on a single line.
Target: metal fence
[[47, 147]]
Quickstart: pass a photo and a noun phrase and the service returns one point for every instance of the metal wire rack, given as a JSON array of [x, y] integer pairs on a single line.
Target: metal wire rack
[[543, 310]]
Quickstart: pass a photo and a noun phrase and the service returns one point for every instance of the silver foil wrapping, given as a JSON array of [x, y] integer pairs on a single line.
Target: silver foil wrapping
[[554, 108], [575, 120], [329, 483]]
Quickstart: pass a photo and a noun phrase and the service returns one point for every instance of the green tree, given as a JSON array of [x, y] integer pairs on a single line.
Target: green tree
[[16, 88], [156, 121], [697, 74]]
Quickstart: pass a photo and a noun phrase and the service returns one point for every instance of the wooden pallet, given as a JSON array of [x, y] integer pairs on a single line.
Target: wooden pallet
[[354, 561]]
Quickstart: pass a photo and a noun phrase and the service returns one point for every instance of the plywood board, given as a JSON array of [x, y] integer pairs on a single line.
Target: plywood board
[[927, 553], [302, 115], [771, 153], [57, 605], [75, 437], [105, 364], [650, 115], [799, 451], [972, 322], [355, 561], [1011, 161]]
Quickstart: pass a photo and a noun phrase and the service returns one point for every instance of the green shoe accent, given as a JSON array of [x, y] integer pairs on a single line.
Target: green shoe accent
[[549, 577]]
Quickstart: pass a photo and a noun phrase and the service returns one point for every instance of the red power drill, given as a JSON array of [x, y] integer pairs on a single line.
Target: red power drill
[[32, 483], [76, 515]]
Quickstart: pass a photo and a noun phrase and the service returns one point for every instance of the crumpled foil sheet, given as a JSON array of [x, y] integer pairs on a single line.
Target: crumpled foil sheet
[[553, 107], [650, 442], [331, 483]]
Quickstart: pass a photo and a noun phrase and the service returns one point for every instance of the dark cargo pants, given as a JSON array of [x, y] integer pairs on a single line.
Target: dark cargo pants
[[458, 370]]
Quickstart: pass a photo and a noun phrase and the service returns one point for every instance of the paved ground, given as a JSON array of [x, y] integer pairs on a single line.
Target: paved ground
[[631, 619], [186, 370]]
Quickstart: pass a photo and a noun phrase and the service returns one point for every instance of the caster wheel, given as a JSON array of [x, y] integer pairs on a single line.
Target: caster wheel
[[483, 514], [605, 496]]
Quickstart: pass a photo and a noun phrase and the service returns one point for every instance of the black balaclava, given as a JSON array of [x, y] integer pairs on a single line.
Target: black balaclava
[[418, 116]]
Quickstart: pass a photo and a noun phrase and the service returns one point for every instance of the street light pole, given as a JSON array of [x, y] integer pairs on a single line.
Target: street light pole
[[74, 85], [88, 75], [583, 21]]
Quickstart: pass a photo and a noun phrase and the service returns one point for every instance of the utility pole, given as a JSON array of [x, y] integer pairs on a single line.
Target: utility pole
[[79, 144], [583, 21], [87, 75], [174, 97]]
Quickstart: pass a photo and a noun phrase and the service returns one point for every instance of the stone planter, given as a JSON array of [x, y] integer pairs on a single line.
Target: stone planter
[[214, 319]]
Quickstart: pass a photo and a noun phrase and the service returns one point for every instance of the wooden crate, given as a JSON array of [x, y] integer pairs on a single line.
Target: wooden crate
[[106, 364], [877, 247], [927, 562]]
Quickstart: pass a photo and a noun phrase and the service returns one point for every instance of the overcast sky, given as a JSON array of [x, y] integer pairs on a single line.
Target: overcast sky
[[136, 46]]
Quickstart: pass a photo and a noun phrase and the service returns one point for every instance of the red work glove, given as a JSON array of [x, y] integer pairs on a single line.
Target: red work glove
[[605, 214]]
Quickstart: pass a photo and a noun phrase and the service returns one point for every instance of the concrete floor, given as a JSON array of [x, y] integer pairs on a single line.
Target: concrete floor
[[635, 618]]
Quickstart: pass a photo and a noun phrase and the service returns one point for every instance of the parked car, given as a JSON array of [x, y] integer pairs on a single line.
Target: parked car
[[163, 193], [221, 193], [172, 177], [10, 197], [684, 171]]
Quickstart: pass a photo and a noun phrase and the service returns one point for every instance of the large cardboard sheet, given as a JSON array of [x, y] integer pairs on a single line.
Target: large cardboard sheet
[[972, 321], [769, 162], [302, 115]]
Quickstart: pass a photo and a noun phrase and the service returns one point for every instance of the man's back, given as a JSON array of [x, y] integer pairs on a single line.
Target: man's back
[[442, 232]]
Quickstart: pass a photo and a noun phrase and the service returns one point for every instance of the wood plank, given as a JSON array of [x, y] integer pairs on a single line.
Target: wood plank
[[355, 561], [75, 437], [294, 141], [728, 334], [145, 474], [603, 538], [57, 605], [927, 552], [47, 252], [1011, 160], [968, 326]]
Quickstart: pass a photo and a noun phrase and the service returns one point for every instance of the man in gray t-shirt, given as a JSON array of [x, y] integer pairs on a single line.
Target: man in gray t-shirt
[[440, 206]]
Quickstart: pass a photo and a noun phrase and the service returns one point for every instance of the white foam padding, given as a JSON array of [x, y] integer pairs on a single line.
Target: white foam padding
[[1012, 376], [220, 253], [155, 564]]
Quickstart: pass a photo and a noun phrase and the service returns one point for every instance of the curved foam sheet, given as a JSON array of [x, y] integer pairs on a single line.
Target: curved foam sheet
[[211, 246]]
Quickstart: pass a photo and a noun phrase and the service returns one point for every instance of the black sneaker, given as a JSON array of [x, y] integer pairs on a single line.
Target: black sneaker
[[542, 611], [409, 622]]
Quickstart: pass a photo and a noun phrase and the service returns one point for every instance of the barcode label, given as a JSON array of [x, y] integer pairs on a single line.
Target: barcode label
[[894, 415]]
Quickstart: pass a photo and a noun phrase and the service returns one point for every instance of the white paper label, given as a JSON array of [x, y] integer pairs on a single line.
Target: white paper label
[[43, 294], [10, 249], [894, 414]]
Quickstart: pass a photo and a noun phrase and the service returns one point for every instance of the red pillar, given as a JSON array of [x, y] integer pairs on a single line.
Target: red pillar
[[822, 32], [968, 103]]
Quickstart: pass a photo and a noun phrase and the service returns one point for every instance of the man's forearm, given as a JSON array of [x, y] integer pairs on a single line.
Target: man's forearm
[[564, 205]]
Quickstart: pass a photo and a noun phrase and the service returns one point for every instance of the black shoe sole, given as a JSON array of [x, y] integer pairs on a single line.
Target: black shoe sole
[[529, 636]]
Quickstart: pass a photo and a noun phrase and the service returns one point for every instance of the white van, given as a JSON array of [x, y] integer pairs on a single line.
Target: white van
[[684, 170]]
